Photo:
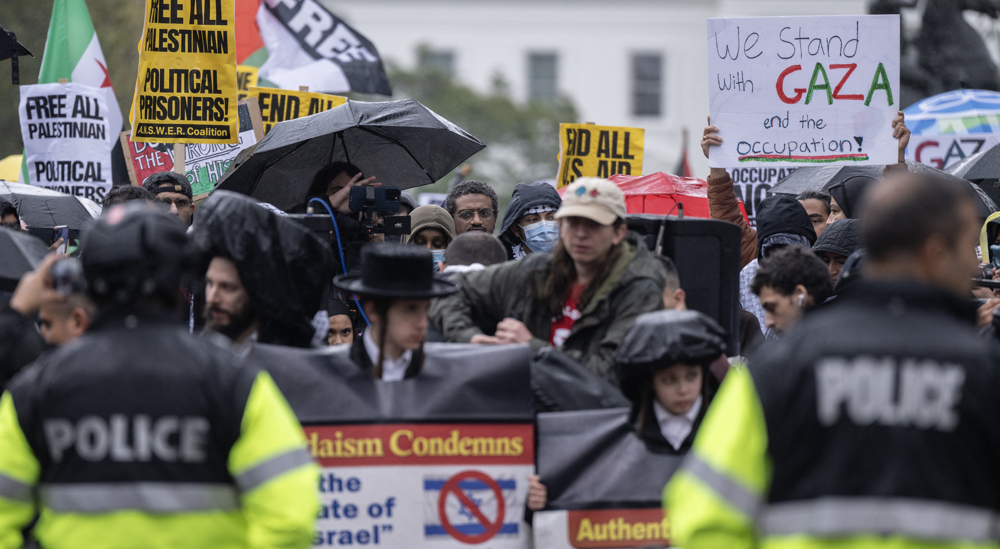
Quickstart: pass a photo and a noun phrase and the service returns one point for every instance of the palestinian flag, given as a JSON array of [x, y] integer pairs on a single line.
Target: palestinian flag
[[683, 168], [73, 52]]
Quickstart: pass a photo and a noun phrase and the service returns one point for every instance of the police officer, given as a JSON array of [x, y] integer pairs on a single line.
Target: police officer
[[874, 422], [139, 434]]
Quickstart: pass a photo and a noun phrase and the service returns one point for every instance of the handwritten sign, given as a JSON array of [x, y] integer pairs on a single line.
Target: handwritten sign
[[793, 91], [588, 150], [204, 163], [186, 89], [246, 78], [280, 105], [67, 138]]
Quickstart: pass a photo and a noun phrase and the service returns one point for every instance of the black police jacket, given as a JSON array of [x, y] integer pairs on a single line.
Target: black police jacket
[[136, 398], [885, 396]]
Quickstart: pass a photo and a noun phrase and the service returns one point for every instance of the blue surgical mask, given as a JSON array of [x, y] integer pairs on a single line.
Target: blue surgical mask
[[541, 237], [438, 258]]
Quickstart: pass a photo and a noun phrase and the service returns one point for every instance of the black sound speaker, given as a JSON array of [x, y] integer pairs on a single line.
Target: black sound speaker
[[707, 255]]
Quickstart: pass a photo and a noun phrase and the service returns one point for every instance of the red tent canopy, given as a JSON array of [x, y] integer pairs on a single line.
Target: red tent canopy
[[659, 193]]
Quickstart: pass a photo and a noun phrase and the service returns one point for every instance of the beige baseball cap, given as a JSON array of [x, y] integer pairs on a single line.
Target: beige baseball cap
[[596, 199]]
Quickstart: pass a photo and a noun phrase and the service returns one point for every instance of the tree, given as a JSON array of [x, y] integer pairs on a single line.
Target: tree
[[118, 24], [522, 141]]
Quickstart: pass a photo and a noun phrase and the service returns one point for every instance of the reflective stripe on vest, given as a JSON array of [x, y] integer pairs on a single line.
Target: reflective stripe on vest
[[259, 474], [913, 518], [732, 491], [152, 497], [14, 489]]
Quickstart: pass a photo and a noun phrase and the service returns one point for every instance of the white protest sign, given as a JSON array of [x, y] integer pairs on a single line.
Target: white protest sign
[[67, 142], [943, 151], [795, 91]]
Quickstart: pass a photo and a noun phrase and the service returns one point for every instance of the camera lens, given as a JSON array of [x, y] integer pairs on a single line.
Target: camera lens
[[392, 194]]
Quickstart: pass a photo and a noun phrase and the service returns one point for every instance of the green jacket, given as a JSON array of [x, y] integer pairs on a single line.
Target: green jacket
[[511, 290]]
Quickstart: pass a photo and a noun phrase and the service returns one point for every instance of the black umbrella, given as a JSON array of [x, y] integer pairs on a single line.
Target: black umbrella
[[821, 178], [21, 253], [980, 166], [42, 208], [814, 178], [402, 143]]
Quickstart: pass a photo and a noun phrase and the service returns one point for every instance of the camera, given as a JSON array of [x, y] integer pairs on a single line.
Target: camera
[[370, 200]]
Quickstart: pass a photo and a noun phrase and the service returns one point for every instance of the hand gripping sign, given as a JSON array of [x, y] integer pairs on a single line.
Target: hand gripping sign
[[793, 91], [438, 461]]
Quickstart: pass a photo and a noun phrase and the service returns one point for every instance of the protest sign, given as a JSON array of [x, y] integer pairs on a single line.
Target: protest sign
[[246, 78], [588, 150], [309, 46], [67, 138], [280, 105], [604, 486], [437, 461], [754, 184], [186, 89], [204, 163], [943, 151], [789, 91]]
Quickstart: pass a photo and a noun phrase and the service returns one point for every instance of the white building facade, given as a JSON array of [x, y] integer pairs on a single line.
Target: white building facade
[[640, 63]]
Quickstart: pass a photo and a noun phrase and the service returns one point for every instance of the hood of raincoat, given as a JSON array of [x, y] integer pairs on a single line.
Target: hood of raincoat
[[842, 237], [850, 194], [430, 217], [661, 339], [525, 197], [283, 266], [782, 213], [988, 234]]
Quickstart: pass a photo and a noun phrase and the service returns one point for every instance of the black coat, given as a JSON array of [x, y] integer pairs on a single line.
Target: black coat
[[360, 357]]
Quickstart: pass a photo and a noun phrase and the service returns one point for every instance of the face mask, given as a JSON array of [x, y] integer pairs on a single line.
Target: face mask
[[438, 258], [541, 237]]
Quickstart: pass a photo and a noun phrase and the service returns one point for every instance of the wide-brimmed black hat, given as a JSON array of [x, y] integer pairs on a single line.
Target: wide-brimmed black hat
[[396, 272]]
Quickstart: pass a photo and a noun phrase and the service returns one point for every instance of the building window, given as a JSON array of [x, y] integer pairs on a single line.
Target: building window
[[442, 61], [647, 84], [542, 77]]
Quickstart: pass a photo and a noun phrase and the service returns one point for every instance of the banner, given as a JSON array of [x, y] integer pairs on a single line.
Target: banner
[[246, 78], [587, 150], [204, 163], [604, 486], [754, 184], [943, 151], [186, 89], [789, 91], [309, 46], [67, 138], [437, 461], [280, 105]]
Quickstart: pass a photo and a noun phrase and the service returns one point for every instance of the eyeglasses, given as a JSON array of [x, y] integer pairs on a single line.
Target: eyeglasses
[[181, 203], [485, 213]]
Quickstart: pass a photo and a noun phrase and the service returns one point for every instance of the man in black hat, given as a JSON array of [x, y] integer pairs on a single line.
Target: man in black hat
[[396, 286], [174, 190]]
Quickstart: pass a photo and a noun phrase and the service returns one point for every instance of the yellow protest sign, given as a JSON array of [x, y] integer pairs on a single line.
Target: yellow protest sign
[[588, 150], [280, 105], [186, 88], [246, 78]]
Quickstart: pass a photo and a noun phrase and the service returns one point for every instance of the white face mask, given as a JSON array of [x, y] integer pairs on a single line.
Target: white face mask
[[541, 237], [438, 258]]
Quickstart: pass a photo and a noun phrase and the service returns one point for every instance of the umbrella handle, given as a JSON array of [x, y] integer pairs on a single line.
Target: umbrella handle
[[340, 250]]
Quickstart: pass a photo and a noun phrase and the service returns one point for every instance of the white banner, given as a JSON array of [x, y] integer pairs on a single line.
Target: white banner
[[67, 138], [423, 485], [942, 151], [794, 91]]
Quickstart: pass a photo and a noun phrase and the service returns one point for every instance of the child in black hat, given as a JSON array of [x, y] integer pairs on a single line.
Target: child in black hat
[[396, 286]]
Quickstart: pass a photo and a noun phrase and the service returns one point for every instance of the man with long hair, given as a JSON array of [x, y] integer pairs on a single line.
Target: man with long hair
[[581, 298]]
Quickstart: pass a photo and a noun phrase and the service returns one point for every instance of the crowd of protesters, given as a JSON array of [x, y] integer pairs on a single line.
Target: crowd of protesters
[[821, 273]]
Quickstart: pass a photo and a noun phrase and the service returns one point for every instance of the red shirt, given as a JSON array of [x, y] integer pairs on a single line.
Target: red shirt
[[561, 326]]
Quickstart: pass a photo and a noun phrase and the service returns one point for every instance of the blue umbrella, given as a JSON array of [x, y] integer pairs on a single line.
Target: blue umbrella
[[955, 112]]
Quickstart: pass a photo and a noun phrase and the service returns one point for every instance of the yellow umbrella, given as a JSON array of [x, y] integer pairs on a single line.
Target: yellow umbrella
[[10, 167]]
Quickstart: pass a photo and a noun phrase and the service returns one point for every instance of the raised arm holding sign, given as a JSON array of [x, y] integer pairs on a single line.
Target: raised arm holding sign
[[793, 91]]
